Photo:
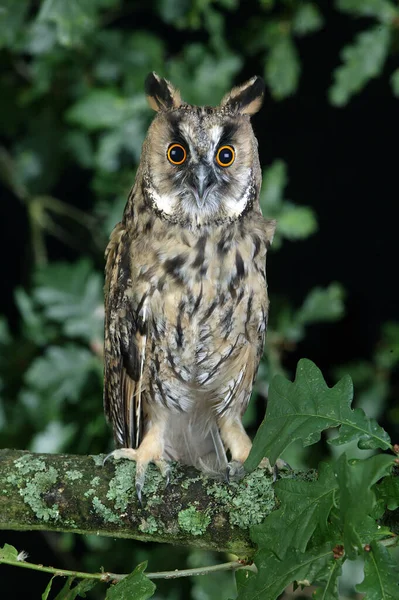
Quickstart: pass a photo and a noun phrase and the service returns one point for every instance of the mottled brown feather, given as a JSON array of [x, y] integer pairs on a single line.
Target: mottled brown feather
[[186, 298]]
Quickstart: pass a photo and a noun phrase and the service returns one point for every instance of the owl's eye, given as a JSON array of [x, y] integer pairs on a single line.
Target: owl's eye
[[176, 154], [225, 156]]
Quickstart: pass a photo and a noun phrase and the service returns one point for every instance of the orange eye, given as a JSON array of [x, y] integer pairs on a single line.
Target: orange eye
[[176, 154], [225, 156]]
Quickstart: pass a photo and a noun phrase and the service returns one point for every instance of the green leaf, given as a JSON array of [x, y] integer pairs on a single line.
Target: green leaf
[[53, 437], [282, 68], [306, 407], [304, 505], [68, 593], [33, 322], [274, 575], [296, 222], [48, 589], [242, 578], [73, 19], [381, 575], [357, 499], [382, 10], [8, 552], [12, 17], [274, 181], [362, 60], [136, 585], [307, 19], [61, 372], [329, 581], [79, 144], [388, 492], [71, 294], [322, 304], [41, 38], [202, 77], [395, 82], [99, 109]]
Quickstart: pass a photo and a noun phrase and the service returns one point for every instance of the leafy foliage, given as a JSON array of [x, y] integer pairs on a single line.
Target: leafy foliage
[[381, 577], [135, 585], [305, 408], [323, 522], [70, 591], [275, 575]]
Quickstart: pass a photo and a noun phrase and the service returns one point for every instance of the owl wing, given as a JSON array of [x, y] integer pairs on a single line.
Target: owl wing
[[125, 343]]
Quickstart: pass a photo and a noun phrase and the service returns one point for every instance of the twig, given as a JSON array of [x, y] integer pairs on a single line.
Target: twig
[[107, 576]]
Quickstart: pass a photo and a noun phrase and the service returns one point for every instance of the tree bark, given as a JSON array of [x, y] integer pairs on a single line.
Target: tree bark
[[58, 492]]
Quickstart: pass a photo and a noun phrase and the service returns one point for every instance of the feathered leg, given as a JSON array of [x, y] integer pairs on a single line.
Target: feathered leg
[[151, 449], [237, 441]]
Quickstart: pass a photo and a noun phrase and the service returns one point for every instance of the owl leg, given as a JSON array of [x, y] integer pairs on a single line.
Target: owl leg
[[150, 450], [237, 441]]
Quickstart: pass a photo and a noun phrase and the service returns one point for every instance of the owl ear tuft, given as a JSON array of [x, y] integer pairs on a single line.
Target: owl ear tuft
[[246, 98], [161, 94]]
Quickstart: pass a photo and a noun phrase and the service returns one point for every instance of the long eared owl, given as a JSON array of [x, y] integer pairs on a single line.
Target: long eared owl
[[186, 301]]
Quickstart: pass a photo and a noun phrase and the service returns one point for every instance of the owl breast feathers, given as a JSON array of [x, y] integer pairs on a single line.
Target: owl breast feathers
[[186, 300]]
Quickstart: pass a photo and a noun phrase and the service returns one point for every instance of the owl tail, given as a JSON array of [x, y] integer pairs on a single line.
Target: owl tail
[[195, 440]]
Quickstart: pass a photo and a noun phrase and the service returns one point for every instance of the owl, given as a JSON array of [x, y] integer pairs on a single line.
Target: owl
[[186, 301]]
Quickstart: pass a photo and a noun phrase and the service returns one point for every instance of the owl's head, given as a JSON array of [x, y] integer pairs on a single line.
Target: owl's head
[[200, 165]]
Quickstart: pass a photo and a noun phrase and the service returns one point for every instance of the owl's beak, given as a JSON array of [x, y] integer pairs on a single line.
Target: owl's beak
[[203, 181]]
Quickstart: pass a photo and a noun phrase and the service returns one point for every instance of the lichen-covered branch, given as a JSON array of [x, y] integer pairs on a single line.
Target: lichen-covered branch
[[80, 495]]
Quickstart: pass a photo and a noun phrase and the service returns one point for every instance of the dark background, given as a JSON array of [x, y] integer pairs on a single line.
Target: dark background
[[343, 162]]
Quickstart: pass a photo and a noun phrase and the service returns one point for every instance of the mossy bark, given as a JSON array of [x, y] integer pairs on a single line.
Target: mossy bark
[[78, 494], [58, 492]]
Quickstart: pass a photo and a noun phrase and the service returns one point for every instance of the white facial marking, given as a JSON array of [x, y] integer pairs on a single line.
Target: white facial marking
[[235, 207], [163, 202]]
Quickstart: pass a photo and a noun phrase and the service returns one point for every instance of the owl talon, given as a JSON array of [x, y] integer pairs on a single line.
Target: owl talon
[[164, 469], [227, 475], [280, 465], [234, 471], [139, 489], [119, 453], [167, 477]]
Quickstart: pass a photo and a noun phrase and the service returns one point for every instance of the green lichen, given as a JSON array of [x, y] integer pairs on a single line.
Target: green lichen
[[153, 481], [73, 475], [32, 494], [13, 478], [249, 501], [26, 464], [91, 491], [104, 512], [193, 521], [33, 479], [98, 459], [70, 523], [121, 487], [188, 481], [149, 525]]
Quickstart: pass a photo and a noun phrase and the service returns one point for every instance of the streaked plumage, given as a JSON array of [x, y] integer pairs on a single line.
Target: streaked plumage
[[186, 300]]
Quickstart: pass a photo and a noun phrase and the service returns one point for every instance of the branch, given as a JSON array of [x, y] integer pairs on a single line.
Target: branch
[[58, 492]]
